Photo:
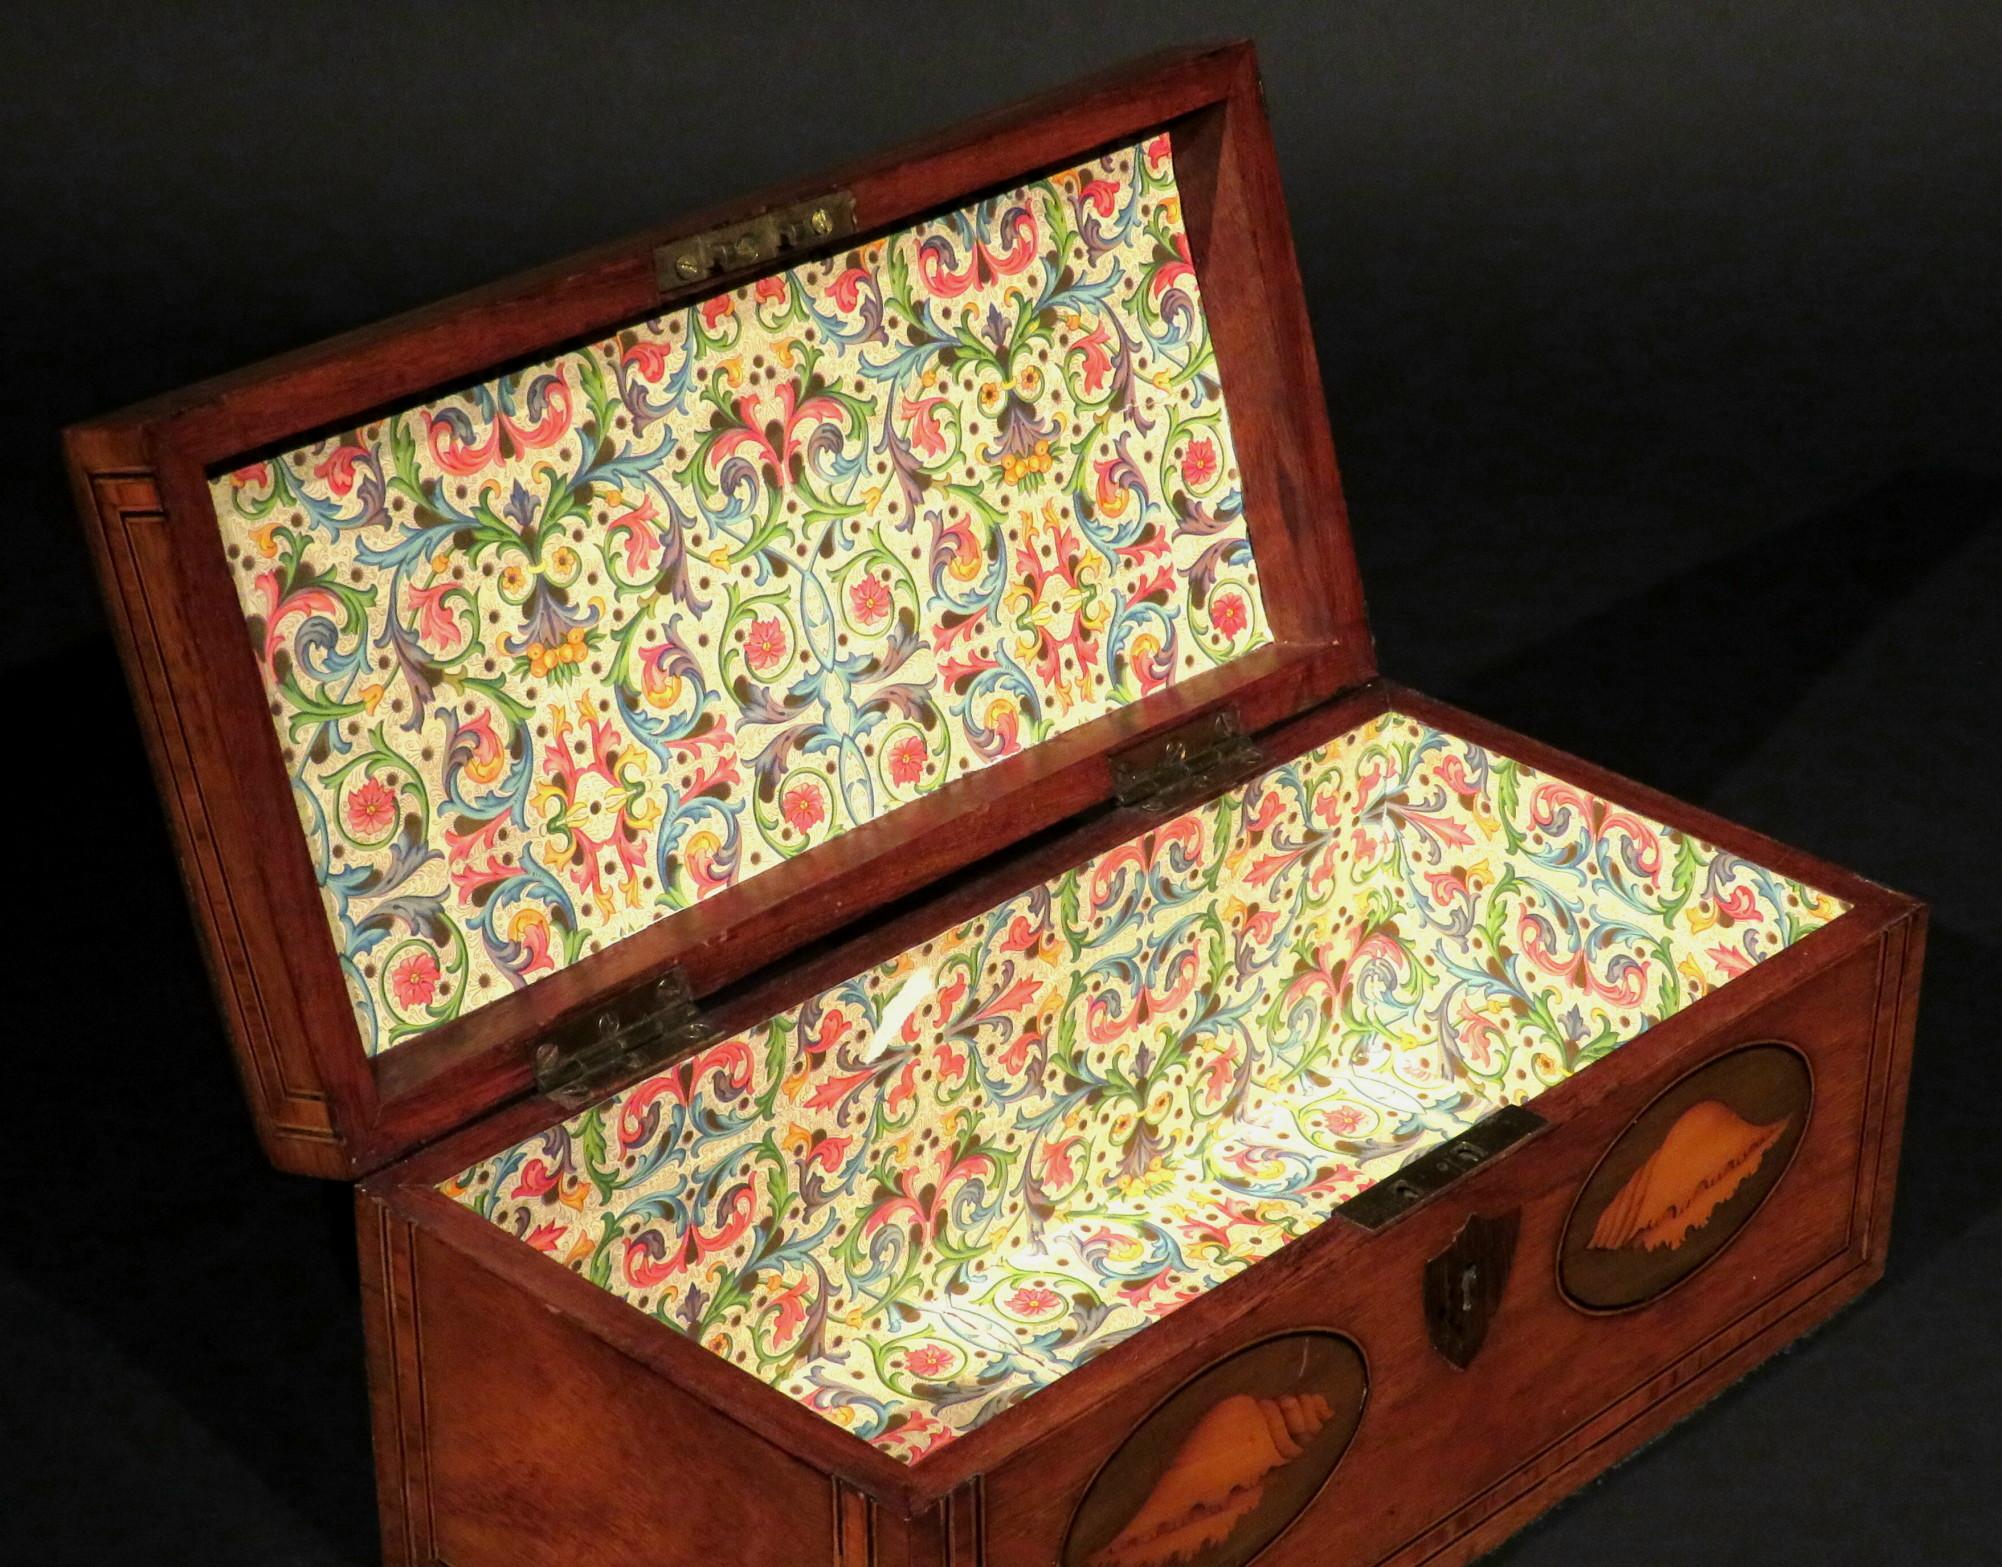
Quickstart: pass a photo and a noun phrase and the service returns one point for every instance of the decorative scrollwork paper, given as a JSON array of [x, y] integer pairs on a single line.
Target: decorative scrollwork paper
[[939, 1186], [559, 654]]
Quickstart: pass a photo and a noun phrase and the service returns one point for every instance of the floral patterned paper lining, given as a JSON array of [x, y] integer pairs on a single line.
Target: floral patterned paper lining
[[934, 1189], [555, 656]]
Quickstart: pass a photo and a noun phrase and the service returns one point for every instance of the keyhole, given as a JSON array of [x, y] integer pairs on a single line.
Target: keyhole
[[1470, 1278]]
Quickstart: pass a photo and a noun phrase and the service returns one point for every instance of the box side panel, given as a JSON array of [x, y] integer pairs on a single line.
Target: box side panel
[[507, 1437], [1447, 1461], [1903, 959], [125, 523]]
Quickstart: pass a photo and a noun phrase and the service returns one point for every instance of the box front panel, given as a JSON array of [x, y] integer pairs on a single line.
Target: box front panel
[[1553, 1391]]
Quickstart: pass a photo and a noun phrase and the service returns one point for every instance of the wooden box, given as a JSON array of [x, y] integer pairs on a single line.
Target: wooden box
[[805, 802]]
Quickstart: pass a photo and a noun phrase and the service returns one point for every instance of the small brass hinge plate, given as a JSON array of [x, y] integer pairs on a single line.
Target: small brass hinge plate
[[753, 244], [1167, 771], [1396, 1195], [583, 1060]]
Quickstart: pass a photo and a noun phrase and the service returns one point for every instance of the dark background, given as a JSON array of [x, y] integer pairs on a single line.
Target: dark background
[[1663, 346]]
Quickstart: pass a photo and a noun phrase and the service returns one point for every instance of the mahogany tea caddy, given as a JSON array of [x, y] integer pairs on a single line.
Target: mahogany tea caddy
[[805, 803]]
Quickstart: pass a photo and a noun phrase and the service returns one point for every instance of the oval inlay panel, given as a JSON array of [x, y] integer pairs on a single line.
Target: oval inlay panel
[[1217, 1471], [1685, 1178]]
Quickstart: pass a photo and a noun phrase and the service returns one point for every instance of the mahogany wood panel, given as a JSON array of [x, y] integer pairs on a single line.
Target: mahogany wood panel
[[854, 1527], [965, 1518], [285, 996], [508, 1437], [126, 529], [395, 1384]]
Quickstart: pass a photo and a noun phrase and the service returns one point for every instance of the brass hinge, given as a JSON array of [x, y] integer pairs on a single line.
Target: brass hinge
[[582, 1061], [1167, 771], [1432, 1173], [754, 243]]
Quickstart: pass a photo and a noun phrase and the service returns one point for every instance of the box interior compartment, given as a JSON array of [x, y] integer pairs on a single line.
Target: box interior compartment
[[925, 1193]]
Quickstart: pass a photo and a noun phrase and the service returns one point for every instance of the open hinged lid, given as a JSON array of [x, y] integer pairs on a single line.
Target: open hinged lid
[[633, 623]]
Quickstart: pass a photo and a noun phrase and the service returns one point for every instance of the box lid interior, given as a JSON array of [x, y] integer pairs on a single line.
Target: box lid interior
[[661, 611]]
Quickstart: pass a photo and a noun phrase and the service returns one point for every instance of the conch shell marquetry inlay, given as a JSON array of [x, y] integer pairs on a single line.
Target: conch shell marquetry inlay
[[1685, 1178], [1215, 1473], [1216, 1477], [1708, 1154]]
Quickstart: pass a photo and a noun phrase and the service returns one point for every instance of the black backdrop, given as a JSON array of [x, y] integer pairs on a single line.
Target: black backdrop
[[1663, 347]]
